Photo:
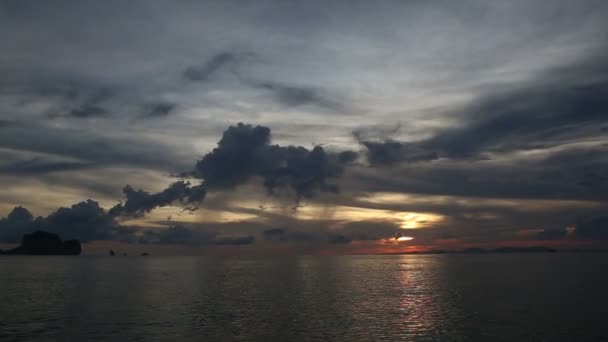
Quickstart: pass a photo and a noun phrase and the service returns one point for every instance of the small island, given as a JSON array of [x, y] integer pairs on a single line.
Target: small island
[[45, 243]]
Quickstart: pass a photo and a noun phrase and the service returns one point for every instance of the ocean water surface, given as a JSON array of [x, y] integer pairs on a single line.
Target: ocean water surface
[[494, 297]]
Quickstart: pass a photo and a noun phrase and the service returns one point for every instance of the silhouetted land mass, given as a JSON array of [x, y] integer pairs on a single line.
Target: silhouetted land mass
[[45, 243]]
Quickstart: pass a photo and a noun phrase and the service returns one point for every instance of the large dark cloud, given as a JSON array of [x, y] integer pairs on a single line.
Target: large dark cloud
[[85, 221], [245, 152], [139, 202]]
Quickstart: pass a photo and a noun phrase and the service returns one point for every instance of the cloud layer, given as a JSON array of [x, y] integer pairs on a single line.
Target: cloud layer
[[489, 118]]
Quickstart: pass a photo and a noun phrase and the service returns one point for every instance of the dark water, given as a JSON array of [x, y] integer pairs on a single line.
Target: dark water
[[533, 297]]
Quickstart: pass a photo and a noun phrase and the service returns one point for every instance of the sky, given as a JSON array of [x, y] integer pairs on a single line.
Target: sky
[[329, 127]]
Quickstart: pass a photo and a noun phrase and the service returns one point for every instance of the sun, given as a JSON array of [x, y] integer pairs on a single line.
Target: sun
[[405, 238]]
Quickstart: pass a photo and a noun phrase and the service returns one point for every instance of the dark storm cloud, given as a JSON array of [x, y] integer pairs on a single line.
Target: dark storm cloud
[[85, 221], [245, 152], [139, 202], [202, 73]]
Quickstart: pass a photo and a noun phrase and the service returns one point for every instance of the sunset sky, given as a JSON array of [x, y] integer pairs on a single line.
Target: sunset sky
[[305, 127]]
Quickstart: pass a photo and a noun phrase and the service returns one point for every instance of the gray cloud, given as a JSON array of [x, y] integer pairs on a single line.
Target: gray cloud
[[560, 106], [39, 165], [286, 94], [159, 110], [515, 112], [531, 178], [202, 73], [90, 147], [392, 152], [293, 96], [87, 111]]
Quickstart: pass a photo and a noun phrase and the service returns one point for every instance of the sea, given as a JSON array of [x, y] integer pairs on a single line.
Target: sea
[[452, 297]]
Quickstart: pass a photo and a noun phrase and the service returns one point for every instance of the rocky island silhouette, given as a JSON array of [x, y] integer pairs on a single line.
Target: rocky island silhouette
[[45, 243]]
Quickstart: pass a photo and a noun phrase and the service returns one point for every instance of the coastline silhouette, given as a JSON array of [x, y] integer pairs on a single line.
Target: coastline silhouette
[[45, 243]]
